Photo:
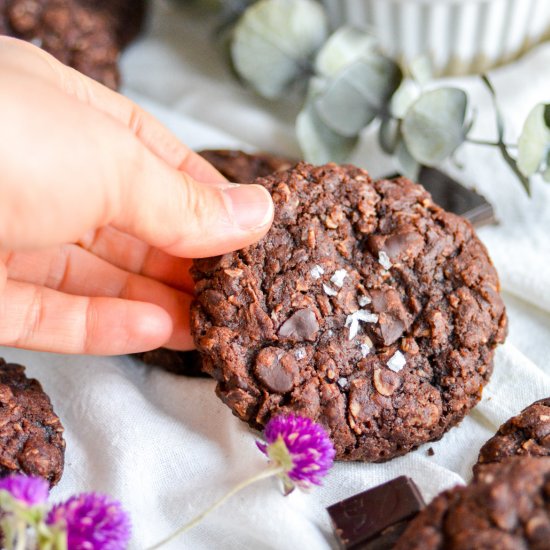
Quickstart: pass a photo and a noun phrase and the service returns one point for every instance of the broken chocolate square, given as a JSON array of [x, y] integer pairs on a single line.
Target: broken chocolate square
[[374, 519]]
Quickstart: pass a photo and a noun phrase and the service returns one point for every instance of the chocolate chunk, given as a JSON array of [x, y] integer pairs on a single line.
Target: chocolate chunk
[[302, 325], [393, 317], [375, 518], [276, 369]]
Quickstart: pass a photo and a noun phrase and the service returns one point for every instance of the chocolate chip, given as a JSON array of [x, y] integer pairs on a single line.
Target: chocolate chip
[[302, 325], [394, 318], [276, 369]]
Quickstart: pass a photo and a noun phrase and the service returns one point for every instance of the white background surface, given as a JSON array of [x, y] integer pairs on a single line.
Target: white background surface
[[166, 446]]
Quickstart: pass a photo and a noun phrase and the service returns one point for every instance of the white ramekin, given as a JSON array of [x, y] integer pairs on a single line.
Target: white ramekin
[[459, 36]]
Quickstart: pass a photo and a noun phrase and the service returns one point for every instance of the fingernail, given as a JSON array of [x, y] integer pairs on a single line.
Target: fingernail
[[250, 206]]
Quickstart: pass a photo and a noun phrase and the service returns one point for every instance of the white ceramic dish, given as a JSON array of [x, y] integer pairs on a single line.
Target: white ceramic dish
[[459, 36]]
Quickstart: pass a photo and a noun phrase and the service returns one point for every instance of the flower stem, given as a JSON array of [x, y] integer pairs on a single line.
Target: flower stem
[[21, 535], [270, 472]]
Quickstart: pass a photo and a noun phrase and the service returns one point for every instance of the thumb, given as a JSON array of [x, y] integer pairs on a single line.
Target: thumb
[[170, 210]]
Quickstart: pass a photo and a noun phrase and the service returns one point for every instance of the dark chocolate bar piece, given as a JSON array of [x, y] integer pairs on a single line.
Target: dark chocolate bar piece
[[456, 198], [375, 519]]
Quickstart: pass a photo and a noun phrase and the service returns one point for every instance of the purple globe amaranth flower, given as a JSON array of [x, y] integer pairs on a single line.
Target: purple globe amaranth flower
[[92, 522], [300, 447], [29, 490]]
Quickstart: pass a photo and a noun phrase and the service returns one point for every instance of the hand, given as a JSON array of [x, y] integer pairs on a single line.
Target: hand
[[99, 207]]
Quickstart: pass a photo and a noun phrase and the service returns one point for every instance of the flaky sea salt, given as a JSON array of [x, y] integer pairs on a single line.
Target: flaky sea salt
[[364, 301], [300, 353], [338, 277], [365, 349], [317, 271], [329, 291], [342, 382], [384, 260], [396, 362], [361, 315]]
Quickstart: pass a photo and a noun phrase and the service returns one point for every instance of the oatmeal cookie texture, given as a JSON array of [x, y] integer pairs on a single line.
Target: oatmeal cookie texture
[[31, 434], [506, 508], [366, 308], [527, 434], [87, 35]]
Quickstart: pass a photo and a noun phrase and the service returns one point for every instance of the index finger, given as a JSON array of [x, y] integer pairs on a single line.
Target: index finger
[[154, 135]]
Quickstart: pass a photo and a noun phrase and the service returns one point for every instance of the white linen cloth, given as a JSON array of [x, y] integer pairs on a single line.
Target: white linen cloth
[[166, 446]]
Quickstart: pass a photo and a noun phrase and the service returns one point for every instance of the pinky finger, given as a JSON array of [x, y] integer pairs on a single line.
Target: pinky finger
[[39, 318]]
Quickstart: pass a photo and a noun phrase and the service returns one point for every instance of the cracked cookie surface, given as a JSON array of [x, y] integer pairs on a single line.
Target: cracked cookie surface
[[366, 308]]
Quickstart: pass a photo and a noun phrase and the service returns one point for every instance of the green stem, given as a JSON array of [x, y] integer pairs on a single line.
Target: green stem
[[490, 143], [21, 535], [270, 472]]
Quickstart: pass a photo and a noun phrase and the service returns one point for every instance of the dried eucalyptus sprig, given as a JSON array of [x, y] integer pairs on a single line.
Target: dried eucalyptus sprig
[[350, 84]]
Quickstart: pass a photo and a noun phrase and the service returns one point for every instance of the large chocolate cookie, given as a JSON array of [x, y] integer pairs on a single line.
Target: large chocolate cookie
[[528, 434], [85, 34], [506, 508], [31, 434], [366, 307]]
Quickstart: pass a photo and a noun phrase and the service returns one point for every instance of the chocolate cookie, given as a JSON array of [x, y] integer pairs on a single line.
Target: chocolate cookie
[[506, 508], [31, 434], [240, 167], [528, 433], [85, 34], [186, 363], [366, 308]]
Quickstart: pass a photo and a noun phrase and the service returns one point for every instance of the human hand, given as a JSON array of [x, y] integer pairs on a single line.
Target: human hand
[[100, 207]]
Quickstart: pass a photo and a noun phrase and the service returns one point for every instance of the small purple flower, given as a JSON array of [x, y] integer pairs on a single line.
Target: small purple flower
[[29, 490], [301, 447], [93, 522]]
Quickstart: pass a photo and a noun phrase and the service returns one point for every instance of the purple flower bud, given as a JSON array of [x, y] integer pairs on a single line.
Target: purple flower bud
[[29, 490], [301, 447], [92, 522]]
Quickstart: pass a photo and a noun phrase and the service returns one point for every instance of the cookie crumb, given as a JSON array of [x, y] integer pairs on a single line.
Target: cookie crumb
[[430, 451]]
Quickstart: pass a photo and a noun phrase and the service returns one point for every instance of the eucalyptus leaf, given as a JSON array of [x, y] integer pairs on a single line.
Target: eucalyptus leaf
[[408, 166], [421, 69], [534, 142], [389, 135], [275, 41], [358, 94], [403, 98], [344, 47], [318, 142], [434, 125]]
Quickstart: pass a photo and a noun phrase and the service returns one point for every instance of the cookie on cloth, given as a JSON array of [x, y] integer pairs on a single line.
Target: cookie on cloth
[[507, 507], [527, 434], [87, 35], [31, 434], [366, 308]]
